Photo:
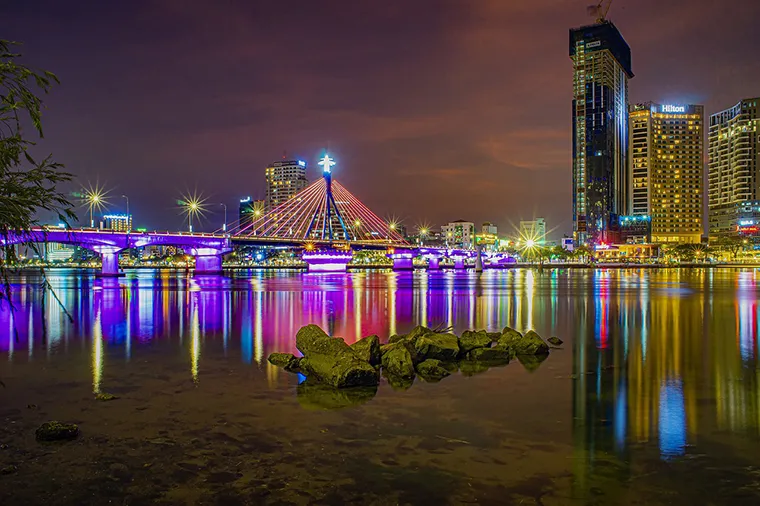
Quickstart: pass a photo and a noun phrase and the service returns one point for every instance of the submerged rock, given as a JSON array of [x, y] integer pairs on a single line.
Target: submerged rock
[[324, 397], [529, 344], [103, 396], [555, 341], [330, 360], [431, 370], [444, 347], [397, 360], [56, 431], [288, 361], [472, 367], [472, 340], [496, 354], [398, 383], [368, 349]]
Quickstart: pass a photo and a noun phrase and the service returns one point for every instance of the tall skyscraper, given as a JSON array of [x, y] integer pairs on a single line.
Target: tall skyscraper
[[602, 67], [117, 222], [284, 180], [734, 170], [667, 167]]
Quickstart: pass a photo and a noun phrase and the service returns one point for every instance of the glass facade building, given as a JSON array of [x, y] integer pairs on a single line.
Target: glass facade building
[[601, 70]]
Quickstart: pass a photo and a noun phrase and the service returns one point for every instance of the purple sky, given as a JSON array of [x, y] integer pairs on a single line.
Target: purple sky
[[435, 110]]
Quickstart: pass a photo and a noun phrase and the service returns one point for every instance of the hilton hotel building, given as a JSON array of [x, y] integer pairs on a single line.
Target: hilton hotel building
[[666, 167]]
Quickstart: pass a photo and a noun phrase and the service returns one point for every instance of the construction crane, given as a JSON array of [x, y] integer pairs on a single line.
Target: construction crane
[[600, 10]]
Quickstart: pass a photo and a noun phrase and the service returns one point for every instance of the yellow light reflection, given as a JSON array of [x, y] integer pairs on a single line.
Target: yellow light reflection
[[97, 353], [195, 341]]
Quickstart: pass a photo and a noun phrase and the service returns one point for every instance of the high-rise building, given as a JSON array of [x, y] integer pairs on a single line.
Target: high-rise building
[[489, 228], [117, 222], [533, 230], [666, 160], [459, 233], [734, 169], [284, 180], [602, 67]]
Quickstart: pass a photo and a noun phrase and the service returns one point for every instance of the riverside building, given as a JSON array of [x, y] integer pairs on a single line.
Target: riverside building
[[601, 70], [284, 180], [734, 171], [666, 167]]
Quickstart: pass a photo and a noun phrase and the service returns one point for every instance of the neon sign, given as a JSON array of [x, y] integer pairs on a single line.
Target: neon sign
[[674, 108], [596, 43]]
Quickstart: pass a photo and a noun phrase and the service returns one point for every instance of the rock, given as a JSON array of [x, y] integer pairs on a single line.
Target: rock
[[471, 340], [368, 349], [417, 332], [103, 396], [498, 354], [506, 330], [495, 336], [9, 469], [431, 370], [555, 341], [529, 344], [324, 397], [444, 347], [531, 362], [330, 360], [397, 383], [119, 472], [288, 361], [398, 361], [396, 337], [56, 431]]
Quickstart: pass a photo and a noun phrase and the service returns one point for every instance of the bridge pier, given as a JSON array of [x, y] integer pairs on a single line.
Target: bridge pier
[[327, 261], [434, 263], [110, 265], [459, 263], [479, 260], [208, 264]]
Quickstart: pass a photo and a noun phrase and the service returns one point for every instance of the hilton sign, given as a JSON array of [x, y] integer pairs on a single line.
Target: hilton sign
[[674, 108]]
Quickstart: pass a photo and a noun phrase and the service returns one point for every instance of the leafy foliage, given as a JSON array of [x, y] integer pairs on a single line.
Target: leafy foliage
[[27, 185]]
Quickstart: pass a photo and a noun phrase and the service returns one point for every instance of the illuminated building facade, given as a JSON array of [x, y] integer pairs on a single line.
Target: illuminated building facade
[[459, 233], [601, 70], [284, 180], [534, 230], [489, 228], [734, 168], [667, 166], [117, 222]]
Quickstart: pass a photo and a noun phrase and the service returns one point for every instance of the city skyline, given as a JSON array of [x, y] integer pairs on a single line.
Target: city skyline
[[134, 111]]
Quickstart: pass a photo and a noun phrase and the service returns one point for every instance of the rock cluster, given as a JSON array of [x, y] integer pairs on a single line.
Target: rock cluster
[[329, 361]]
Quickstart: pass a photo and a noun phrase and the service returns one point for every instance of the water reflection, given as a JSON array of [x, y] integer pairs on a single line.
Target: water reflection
[[657, 357]]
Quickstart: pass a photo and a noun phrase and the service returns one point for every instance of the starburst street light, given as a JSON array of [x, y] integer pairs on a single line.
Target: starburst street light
[[193, 206], [94, 198]]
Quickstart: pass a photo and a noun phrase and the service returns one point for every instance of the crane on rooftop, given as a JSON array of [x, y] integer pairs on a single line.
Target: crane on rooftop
[[600, 10]]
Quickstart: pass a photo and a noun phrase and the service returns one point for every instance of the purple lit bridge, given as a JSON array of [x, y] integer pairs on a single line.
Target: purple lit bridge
[[208, 249]]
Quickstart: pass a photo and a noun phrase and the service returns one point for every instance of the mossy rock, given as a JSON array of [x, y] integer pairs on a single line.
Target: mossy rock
[[471, 340], [368, 349], [56, 431], [398, 361], [443, 347], [288, 361], [555, 341], [496, 354], [103, 396], [431, 370], [528, 344]]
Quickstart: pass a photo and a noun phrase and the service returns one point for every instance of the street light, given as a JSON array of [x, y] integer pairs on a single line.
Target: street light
[[193, 206], [224, 227], [95, 198], [129, 220]]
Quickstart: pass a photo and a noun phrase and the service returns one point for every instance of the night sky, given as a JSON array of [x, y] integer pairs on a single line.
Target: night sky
[[435, 110]]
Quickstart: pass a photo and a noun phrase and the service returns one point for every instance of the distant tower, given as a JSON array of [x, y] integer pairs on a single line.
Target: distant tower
[[329, 213], [602, 67]]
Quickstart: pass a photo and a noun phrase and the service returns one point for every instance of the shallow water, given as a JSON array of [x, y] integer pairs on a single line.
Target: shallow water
[[653, 399]]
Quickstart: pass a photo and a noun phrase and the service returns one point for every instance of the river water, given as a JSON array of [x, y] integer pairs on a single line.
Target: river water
[[654, 398]]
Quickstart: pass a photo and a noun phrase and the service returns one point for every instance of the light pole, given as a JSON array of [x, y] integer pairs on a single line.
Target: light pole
[[129, 219], [224, 227]]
